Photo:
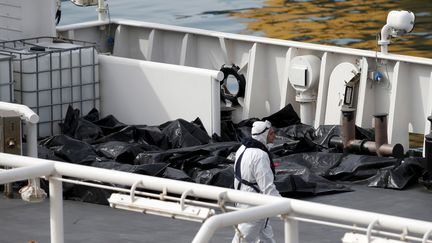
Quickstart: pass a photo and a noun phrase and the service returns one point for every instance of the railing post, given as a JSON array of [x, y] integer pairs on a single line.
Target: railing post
[[291, 230], [56, 210], [32, 149]]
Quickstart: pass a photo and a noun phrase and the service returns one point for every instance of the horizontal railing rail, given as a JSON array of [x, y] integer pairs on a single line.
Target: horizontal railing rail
[[291, 211]]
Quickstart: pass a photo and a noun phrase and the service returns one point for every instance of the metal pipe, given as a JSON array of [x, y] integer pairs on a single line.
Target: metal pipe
[[348, 127], [336, 142], [379, 147], [428, 149], [396, 150], [147, 194], [304, 208], [355, 228], [31, 119], [26, 113], [31, 131], [232, 218], [380, 131], [307, 107], [384, 41], [291, 230], [102, 10], [8, 191], [300, 208], [369, 147], [23, 173], [360, 146], [128, 179], [56, 210], [32, 149]]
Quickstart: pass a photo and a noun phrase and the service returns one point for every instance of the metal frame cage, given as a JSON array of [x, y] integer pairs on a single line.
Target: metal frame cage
[[50, 74], [6, 78]]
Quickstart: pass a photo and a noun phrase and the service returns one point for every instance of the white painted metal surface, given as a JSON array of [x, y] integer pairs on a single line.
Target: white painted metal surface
[[233, 218], [157, 92], [31, 171], [25, 112], [141, 92], [359, 238], [102, 10], [303, 76], [158, 207], [340, 75], [398, 23], [270, 206], [56, 210], [266, 62], [26, 18], [31, 119]]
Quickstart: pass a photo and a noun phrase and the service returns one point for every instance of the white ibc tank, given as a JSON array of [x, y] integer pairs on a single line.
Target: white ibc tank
[[50, 79]]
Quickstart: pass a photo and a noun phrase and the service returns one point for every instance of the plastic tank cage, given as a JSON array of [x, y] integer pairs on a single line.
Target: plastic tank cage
[[50, 74], [6, 79]]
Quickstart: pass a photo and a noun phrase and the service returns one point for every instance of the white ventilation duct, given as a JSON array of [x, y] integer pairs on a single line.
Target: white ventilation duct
[[303, 76]]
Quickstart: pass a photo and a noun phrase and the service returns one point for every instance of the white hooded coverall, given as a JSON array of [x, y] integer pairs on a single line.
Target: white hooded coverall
[[255, 168]]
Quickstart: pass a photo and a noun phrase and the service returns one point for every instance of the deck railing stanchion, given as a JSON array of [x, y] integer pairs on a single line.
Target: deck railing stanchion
[[56, 210], [291, 230]]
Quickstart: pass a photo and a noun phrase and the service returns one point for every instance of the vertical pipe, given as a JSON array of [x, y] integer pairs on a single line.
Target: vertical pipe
[[307, 102], [102, 10], [380, 131], [348, 126], [307, 113], [31, 130], [8, 191], [32, 150], [428, 149], [291, 231], [56, 210], [384, 41]]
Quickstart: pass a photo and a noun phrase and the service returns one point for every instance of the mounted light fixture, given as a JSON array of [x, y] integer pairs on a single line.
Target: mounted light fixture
[[158, 207], [398, 23], [359, 238], [102, 8], [161, 208], [85, 3]]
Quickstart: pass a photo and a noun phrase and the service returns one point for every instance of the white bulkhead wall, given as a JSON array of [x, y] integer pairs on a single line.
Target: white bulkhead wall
[[265, 63], [20, 19]]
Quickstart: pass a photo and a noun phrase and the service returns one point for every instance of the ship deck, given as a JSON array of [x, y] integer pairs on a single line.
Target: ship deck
[[91, 223]]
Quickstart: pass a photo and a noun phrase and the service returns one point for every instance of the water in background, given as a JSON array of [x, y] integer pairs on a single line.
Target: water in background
[[347, 23]]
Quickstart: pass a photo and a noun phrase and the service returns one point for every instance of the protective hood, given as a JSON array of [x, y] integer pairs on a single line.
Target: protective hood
[[260, 130]]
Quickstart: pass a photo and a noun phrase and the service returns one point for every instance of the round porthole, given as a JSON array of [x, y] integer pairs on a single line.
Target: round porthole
[[233, 84]]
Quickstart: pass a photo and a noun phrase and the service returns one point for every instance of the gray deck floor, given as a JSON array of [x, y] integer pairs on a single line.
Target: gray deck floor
[[84, 222]]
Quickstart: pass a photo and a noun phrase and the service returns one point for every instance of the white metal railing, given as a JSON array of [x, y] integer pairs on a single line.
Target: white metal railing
[[290, 210], [32, 191], [31, 119]]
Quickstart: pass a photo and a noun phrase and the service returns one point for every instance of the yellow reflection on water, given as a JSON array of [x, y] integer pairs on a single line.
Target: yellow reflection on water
[[349, 23]]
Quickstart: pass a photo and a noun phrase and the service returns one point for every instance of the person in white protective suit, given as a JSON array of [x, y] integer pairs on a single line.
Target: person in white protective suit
[[254, 172]]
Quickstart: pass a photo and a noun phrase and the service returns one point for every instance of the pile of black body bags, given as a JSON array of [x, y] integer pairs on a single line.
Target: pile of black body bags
[[182, 150]]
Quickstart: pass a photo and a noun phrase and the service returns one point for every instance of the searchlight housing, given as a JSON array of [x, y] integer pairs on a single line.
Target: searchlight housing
[[102, 8], [85, 3], [399, 22]]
